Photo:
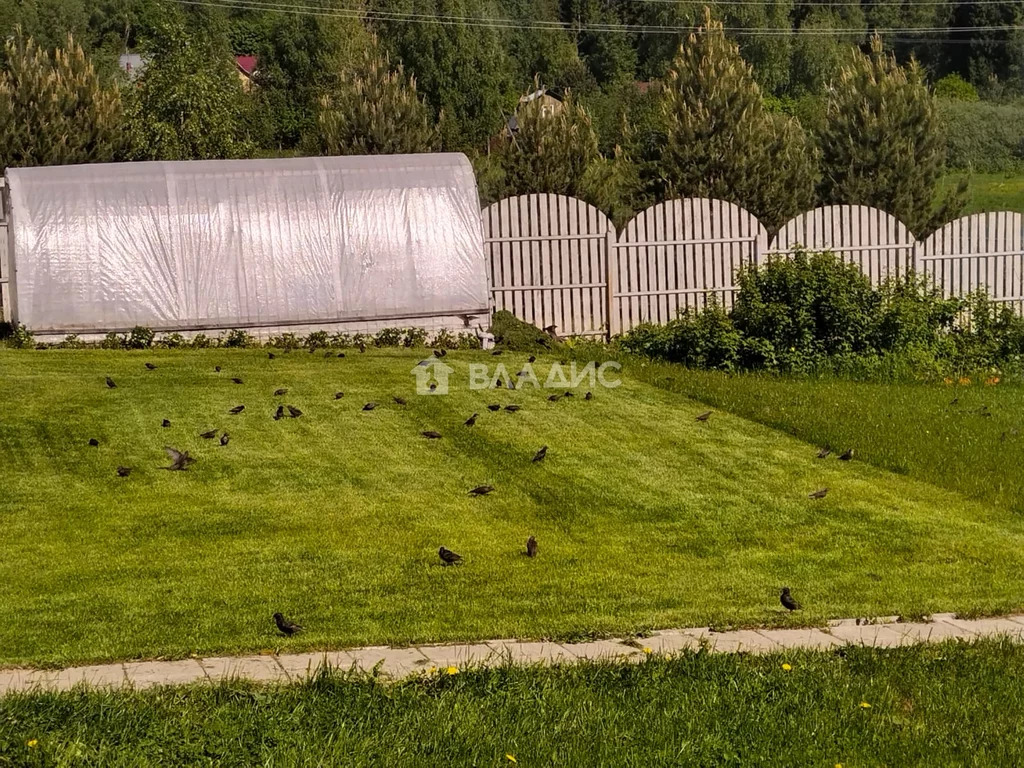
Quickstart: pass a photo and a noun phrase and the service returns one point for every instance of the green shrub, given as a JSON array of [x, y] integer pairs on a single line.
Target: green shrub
[[444, 339], [202, 341], [988, 138], [140, 337], [513, 334], [388, 337], [468, 341], [317, 339], [954, 87], [415, 337], [20, 337], [912, 314], [237, 338], [114, 341], [285, 341], [171, 341], [71, 341]]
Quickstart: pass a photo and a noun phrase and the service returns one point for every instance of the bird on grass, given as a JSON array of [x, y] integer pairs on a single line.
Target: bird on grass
[[448, 557], [216, 369], [954, 401], [165, 423], [539, 455], [208, 435], [341, 354], [286, 627], [497, 383], [554, 398], [481, 490], [433, 386], [279, 414], [124, 471], [531, 547], [588, 396], [362, 347], [369, 406], [338, 395], [280, 392], [236, 410], [824, 452], [493, 407], [818, 494], [439, 353], [150, 367], [847, 455], [179, 459], [705, 416], [294, 412], [225, 438], [93, 442], [110, 383], [787, 600], [531, 359], [551, 331], [513, 408], [237, 380], [399, 400], [431, 435], [471, 420], [496, 352], [569, 394], [270, 355]]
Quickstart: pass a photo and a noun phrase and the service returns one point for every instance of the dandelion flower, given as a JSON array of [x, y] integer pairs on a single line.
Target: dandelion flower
[[786, 667], [839, 765], [452, 670], [965, 381], [432, 670], [865, 705], [511, 758], [648, 650], [32, 742]]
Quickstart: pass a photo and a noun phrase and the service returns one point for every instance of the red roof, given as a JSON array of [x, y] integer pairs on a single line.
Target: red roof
[[247, 64]]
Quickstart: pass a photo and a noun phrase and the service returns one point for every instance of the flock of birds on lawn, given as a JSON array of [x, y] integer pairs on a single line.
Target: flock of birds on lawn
[[181, 460]]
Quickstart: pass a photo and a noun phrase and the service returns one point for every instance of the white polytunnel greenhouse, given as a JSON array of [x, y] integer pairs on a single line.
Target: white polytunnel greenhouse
[[244, 243]]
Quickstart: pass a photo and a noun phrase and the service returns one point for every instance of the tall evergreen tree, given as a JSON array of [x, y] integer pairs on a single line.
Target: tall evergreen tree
[[882, 144]]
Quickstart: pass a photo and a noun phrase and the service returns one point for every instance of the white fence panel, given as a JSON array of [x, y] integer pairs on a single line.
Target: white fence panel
[[547, 259], [983, 250], [676, 254], [872, 239], [5, 263]]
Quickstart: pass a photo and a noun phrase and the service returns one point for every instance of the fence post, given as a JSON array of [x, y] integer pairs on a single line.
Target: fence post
[[610, 267]]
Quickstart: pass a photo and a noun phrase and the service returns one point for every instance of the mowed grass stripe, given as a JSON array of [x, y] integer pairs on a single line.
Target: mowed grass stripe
[[645, 517]]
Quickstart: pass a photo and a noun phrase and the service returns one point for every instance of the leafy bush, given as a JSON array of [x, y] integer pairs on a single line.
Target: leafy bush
[[140, 337], [20, 337], [954, 87], [513, 334], [114, 341], [285, 341], [444, 339], [71, 341], [239, 339], [202, 341], [388, 337], [317, 339], [171, 341], [988, 138], [415, 337]]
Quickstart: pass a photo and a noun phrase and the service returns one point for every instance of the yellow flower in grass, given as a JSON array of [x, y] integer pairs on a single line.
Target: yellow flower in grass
[[452, 670], [648, 651], [32, 742], [965, 381], [787, 667], [432, 670], [865, 705], [511, 758], [839, 765]]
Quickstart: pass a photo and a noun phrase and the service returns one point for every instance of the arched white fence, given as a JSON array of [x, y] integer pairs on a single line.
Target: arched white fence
[[557, 260]]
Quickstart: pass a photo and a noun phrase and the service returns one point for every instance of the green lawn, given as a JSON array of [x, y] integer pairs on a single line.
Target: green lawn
[[932, 705], [989, 191], [645, 517], [974, 446]]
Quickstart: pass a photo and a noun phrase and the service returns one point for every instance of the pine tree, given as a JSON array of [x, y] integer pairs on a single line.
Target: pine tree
[[375, 110], [722, 143], [882, 144], [54, 110]]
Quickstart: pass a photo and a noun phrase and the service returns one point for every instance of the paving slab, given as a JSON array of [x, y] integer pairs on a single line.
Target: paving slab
[[801, 638], [260, 669], [476, 654], [27, 679], [531, 653], [100, 676], [990, 627], [145, 674], [607, 649], [740, 641], [933, 631], [395, 662], [876, 635], [302, 666], [675, 640]]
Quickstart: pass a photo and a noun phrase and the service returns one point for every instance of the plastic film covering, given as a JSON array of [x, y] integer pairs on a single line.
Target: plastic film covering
[[245, 243]]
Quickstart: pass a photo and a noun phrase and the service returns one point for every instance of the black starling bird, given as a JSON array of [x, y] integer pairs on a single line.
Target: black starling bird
[[279, 414], [341, 354], [846, 456], [238, 381], [497, 383], [555, 398], [539, 455], [819, 494], [286, 627], [438, 354], [209, 435], [513, 408], [551, 331], [481, 490], [294, 412], [531, 547], [93, 442], [493, 407], [362, 347], [824, 452], [280, 392], [399, 400], [150, 367], [236, 410], [216, 369], [787, 600], [471, 420], [704, 416], [124, 471], [270, 355], [179, 460], [954, 401], [496, 352], [448, 557], [165, 423], [369, 406], [433, 387], [588, 396], [431, 435], [225, 438], [110, 383], [532, 359], [338, 395], [568, 394]]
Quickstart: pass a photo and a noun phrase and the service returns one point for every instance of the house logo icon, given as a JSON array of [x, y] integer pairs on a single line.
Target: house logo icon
[[432, 377]]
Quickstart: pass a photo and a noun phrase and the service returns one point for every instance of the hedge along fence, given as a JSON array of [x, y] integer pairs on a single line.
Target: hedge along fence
[[555, 260]]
